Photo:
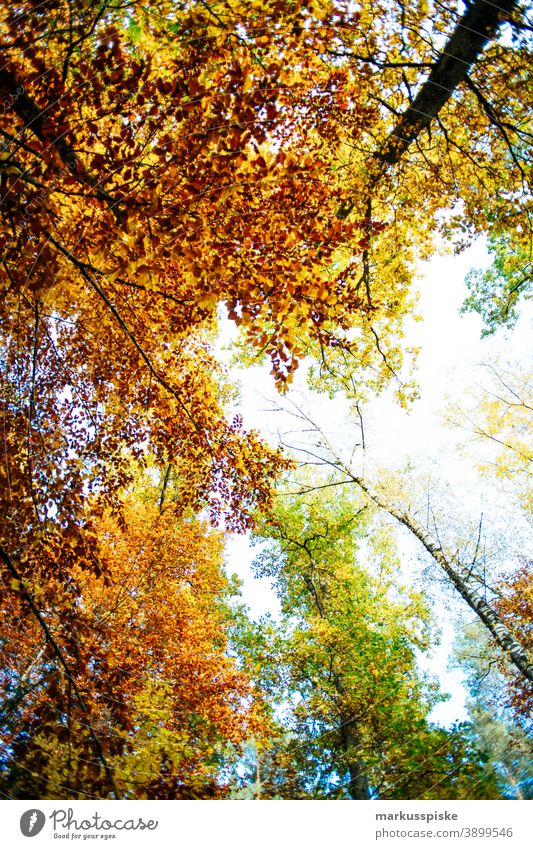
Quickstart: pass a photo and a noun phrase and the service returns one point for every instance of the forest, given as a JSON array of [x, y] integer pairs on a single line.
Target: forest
[[196, 190]]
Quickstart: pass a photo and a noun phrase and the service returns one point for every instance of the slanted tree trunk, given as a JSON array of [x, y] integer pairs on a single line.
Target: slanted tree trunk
[[475, 29], [512, 649], [473, 32]]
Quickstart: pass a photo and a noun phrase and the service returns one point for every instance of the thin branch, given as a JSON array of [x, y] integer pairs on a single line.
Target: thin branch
[[503, 126], [82, 268], [164, 487]]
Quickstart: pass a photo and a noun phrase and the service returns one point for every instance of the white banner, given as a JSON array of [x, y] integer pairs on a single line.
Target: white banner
[[267, 825]]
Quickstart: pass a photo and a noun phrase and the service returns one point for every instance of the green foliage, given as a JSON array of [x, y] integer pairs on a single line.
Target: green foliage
[[499, 732], [507, 749], [342, 663], [495, 293]]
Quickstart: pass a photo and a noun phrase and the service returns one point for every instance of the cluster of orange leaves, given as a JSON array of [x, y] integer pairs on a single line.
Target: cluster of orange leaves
[[146, 642], [515, 606]]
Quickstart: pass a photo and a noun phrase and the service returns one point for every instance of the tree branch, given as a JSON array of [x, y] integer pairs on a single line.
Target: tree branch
[[35, 119]]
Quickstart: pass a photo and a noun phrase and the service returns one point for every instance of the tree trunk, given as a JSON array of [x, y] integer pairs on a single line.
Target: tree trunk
[[513, 650], [358, 786], [349, 732], [475, 29]]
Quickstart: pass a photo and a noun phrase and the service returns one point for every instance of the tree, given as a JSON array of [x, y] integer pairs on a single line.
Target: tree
[[160, 164], [498, 415], [129, 247], [515, 605], [498, 418], [508, 751], [342, 664], [501, 731], [184, 136], [137, 695], [391, 498], [496, 292]]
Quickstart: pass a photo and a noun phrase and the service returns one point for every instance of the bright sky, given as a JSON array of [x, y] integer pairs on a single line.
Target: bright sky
[[449, 361]]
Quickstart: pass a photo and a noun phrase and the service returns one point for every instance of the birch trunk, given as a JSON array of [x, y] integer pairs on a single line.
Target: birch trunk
[[514, 651]]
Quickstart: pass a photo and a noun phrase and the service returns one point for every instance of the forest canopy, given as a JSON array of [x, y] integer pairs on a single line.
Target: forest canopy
[[284, 166]]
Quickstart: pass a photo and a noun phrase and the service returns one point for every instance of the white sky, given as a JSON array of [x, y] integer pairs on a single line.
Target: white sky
[[451, 351]]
